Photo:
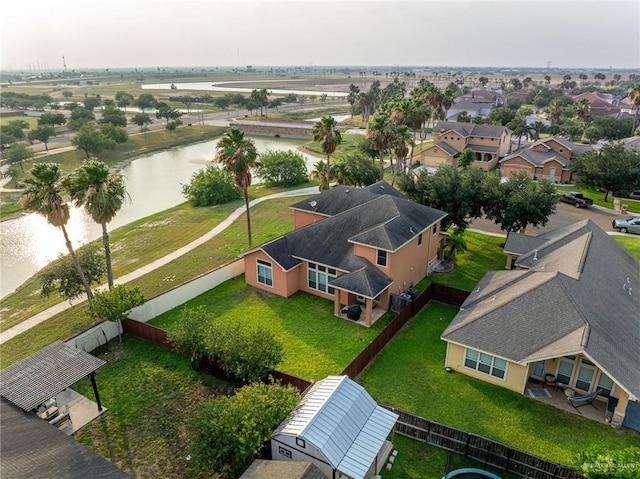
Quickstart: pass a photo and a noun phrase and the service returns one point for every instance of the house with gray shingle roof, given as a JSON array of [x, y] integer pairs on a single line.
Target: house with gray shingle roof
[[570, 307], [350, 245], [489, 143], [549, 158]]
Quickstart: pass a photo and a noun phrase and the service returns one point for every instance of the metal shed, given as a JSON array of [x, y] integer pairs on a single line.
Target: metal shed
[[339, 427]]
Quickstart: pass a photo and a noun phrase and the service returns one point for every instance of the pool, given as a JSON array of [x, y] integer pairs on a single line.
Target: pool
[[470, 473]]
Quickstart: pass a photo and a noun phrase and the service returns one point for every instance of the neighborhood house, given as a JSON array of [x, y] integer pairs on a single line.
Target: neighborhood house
[[351, 246], [489, 143], [568, 309]]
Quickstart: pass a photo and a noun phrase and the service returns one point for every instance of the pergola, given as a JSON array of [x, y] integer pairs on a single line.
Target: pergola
[[45, 374]]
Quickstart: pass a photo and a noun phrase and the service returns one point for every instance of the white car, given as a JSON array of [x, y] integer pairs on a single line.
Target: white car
[[631, 225]]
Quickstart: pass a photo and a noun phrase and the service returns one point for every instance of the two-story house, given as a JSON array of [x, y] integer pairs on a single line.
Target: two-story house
[[489, 143], [350, 245]]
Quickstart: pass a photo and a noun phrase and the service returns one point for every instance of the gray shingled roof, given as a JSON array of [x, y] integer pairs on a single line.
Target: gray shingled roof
[[538, 158], [32, 448], [41, 376], [367, 281], [470, 129], [574, 298], [387, 221], [450, 150]]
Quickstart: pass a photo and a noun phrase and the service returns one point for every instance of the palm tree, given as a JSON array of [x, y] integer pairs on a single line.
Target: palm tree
[[42, 195], [519, 128], [102, 194], [402, 138], [327, 134], [634, 95], [380, 133], [583, 110], [555, 111], [238, 155]]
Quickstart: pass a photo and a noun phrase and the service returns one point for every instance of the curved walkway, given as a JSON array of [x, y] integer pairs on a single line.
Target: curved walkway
[[52, 311]]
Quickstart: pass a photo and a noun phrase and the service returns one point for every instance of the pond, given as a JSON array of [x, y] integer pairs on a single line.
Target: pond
[[153, 182]]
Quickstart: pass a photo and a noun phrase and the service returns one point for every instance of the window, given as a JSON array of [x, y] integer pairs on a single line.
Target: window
[[434, 229], [485, 363], [606, 384], [585, 377], [320, 276], [265, 273], [419, 239], [382, 257], [565, 370]]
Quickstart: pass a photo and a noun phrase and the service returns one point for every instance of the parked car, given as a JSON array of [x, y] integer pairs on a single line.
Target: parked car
[[631, 225], [576, 199]]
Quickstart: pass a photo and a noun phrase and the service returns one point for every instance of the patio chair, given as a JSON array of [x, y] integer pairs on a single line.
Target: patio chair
[[550, 380], [579, 401]]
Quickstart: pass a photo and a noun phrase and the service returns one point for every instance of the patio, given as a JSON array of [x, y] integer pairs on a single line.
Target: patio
[[557, 398], [81, 410], [376, 314]]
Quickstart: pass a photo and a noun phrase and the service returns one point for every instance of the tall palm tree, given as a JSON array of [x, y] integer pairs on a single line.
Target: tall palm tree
[[101, 194], [238, 155], [379, 132], [327, 134], [519, 128], [402, 138], [42, 195], [583, 110], [634, 95]]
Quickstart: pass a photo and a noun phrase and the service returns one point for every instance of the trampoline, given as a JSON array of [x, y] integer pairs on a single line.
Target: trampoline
[[470, 473]]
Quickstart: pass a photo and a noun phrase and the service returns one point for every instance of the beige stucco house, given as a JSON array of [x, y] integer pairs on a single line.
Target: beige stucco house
[[350, 245], [489, 143], [570, 307]]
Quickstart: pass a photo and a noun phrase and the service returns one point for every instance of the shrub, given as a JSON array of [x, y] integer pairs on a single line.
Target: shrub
[[211, 186], [599, 463], [229, 431], [282, 168], [62, 276], [245, 354], [190, 334]]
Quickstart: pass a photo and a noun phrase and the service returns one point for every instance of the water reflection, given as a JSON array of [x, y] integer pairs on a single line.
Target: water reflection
[[153, 182], [218, 86]]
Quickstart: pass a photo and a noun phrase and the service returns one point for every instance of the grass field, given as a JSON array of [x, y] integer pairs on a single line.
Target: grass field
[[598, 198]]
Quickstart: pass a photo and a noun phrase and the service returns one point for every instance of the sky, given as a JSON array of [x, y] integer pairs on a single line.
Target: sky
[[35, 34]]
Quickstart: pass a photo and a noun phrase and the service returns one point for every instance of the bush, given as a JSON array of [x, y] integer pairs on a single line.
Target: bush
[[599, 463], [245, 354], [211, 186], [282, 168], [228, 432], [190, 333], [62, 276]]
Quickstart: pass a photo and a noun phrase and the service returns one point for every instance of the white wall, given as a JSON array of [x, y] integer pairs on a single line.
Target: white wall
[[183, 293], [95, 336]]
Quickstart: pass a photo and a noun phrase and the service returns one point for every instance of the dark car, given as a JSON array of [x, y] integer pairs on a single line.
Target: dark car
[[576, 199], [631, 225]]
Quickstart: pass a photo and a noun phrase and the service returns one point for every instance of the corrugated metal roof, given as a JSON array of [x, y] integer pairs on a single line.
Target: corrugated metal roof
[[339, 417], [34, 380]]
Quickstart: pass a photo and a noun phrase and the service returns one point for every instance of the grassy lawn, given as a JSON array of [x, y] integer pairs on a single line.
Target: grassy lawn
[[349, 145], [630, 243], [144, 430], [633, 206], [303, 323], [409, 374]]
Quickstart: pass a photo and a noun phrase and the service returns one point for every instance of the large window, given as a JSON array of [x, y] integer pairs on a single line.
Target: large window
[[565, 370], [485, 363], [606, 384], [382, 257], [320, 276], [265, 273]]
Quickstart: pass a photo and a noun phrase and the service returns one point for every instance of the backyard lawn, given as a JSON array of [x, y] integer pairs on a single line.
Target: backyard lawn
[[598, 198], [409, 374], [316, 343]]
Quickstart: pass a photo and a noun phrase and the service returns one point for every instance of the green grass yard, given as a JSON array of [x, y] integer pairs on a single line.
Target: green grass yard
[[633, 206]]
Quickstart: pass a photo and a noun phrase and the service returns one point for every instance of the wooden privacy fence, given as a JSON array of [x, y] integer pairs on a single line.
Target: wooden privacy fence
[[436, 292], [479, 448]]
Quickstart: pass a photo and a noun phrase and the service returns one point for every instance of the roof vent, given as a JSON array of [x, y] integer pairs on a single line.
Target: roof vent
[[535, 255], [347, 191], [411, 230], [313, 203], [382, 187]]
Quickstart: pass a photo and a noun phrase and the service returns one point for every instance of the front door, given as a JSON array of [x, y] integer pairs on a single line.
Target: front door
[[552, 173], [537, 371]]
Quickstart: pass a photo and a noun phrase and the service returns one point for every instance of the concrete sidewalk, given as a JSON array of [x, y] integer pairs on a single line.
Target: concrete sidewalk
[[58, 308]]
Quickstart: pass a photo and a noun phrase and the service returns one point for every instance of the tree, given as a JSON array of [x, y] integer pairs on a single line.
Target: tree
[[211, 186], [142, 120], [42, 133], [43, 196], [555, 111], [116, 133], [92, 141], [463, 117], [15, 128], [18, 154], [455, 244], [352, 97], [519, 128], [596, 462], [327, 134], [228, 431], [402, 138], [466, 158], [634, 96], [79, 117], [124, 99], [172, 125], [52, 119], [358, 170], [380, 133], [501, 115], [145, 101], [190, 334], [62, 277], [115, 304], [520, 202], [238, 155], [612, 168], [282, 168], [91, 102], [101, 194], [166, 112], [583, 111], [483, 81], [115, 116]]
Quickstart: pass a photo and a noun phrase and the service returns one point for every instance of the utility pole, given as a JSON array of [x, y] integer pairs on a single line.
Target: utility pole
[[64, 62]]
